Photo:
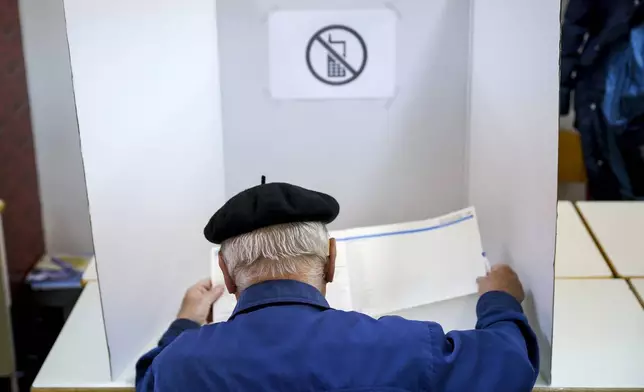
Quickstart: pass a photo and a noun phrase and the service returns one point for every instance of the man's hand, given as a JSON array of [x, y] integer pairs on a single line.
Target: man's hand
[[198, 301], [501, 278]]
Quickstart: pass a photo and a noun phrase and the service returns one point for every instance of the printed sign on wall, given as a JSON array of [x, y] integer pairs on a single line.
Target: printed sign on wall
[[332, 54]]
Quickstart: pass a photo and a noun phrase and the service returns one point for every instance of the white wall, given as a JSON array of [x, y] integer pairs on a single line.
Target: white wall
[[385, 161], [147, 95], [63, 195], [514, 136]]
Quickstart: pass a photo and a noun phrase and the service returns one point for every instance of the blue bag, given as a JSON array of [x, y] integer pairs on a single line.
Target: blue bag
[[624, 98]]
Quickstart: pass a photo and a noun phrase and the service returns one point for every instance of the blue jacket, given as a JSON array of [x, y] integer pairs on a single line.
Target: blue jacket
[[283, 336]]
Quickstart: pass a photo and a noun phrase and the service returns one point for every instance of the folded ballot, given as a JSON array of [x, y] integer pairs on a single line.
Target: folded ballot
[[385, 269]]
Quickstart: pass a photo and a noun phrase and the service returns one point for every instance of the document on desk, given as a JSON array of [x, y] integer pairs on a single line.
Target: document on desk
[[384, 269]]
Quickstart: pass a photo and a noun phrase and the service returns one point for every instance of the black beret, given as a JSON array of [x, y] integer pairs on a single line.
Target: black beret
[[266, 205]]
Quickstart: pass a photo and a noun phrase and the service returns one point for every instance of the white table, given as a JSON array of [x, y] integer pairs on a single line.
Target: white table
[[598, 337], [638, 285], [576, 254], [80, 358], [619, 229]]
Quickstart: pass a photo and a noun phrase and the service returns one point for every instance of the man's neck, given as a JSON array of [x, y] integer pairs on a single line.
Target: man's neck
[[299, 278]]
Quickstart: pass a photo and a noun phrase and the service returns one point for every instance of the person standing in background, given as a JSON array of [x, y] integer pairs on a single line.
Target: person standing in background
[[602, 62]]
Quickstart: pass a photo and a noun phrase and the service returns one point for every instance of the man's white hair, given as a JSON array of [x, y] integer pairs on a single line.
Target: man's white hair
[[285, 250]]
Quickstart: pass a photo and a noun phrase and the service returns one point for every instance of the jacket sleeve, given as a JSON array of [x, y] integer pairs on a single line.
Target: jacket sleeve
[[144, 373], [500, 355], [578, 19]]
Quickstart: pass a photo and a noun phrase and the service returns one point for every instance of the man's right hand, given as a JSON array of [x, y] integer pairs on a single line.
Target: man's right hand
[[198, 301], [501, 278]]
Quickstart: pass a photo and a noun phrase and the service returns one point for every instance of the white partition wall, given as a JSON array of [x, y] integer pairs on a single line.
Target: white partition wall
[[472, 119], [147, 96], [63, 197], [514, 124]]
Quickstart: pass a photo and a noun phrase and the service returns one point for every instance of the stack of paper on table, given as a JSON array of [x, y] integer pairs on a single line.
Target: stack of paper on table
[[385, 269]]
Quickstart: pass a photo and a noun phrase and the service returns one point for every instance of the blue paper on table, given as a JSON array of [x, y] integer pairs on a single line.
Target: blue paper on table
[[58, 273]]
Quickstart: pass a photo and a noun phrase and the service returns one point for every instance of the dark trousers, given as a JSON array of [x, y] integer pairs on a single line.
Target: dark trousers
[[614, 157]]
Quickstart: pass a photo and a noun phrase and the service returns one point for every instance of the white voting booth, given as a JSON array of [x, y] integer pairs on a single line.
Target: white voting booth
[[403, 110]]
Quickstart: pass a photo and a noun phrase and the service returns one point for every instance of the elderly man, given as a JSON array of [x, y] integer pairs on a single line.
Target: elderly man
[[277, 258]]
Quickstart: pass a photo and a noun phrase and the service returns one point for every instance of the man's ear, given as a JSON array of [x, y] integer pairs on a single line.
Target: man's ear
[[228, 280], [330, 265]]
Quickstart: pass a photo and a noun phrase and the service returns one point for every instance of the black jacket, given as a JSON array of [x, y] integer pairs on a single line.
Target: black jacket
[[589, 29], [593, 32]]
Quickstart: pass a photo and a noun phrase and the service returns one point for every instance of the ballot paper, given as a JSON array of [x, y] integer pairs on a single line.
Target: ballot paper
[[411, 264], [386, 269]]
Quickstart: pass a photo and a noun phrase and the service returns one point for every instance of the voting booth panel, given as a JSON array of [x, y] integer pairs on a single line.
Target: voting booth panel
[[183, 104], [147, 99], [514, 124]]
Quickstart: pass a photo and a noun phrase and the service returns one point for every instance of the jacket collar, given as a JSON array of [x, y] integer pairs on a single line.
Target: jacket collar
[[277, 292]]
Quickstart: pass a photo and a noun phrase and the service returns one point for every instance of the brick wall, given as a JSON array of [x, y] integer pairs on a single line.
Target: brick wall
[[18, 176]]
